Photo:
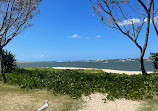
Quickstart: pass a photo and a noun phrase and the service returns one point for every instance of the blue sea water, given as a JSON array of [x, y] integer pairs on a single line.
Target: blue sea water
[[132, 65]]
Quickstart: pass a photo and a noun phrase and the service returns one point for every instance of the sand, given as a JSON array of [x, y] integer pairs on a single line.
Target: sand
[[105, 70], [95, 103]]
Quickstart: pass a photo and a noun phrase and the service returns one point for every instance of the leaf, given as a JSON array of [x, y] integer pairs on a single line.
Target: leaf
[[94, 8], [110, 20]]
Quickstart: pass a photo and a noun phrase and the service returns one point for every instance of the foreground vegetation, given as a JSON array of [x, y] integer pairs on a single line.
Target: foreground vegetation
[[150, 105], [78, 82], [13, 98]]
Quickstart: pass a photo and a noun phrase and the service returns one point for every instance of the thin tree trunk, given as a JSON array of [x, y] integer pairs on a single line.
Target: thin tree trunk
[[144, 73], [141, 60], [1, 66]]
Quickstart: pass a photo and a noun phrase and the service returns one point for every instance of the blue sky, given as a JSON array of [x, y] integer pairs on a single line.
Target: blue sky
[[66, 30]]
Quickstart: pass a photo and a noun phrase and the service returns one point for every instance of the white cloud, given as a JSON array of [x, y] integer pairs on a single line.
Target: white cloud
[[98, 36], [93, 15], [145, 20], [129, 21], [156, 19], [42, 56], [75, 36], [135, 21]]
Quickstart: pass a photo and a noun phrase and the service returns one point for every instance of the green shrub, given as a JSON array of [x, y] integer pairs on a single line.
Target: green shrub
[[154, 57], [77, 82], [9, 61]]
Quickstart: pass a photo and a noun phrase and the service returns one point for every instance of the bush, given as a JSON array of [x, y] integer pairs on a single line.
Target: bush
[[154, 57], [78, 82], [9, 61]]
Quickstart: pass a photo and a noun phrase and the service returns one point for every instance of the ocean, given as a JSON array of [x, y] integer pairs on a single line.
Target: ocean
[[125, 65]]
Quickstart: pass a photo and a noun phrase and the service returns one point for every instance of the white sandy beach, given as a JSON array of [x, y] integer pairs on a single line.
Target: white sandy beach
[[105, 70]]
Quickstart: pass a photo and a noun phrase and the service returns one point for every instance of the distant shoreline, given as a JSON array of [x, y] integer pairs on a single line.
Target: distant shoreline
[[105, 70], [129, 59]]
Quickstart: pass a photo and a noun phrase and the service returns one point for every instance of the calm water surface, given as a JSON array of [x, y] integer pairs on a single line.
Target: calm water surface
[[115, 65]]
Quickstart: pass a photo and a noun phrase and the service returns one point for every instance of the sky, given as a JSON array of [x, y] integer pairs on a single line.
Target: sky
[[68, 30]]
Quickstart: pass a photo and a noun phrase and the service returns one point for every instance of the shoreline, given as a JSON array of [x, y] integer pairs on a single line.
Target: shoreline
[[105, 70]]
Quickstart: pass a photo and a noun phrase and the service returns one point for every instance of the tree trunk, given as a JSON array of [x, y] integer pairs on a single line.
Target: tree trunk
[[1, 66], [141, 60], [144, 73]]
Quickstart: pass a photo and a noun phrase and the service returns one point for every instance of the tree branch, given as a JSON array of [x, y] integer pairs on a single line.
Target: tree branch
[[143, 5], [5, 17], [121, 29], [153, 21]]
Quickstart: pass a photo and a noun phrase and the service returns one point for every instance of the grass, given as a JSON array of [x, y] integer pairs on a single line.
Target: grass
[[13, 98], [150, 105]]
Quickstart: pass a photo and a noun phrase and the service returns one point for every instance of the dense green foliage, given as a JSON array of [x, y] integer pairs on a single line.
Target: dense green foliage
[[154, 57], [9, 61], [78, 82]]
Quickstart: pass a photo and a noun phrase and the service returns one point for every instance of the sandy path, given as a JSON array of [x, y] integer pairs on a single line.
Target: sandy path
[[105, 70], [95, 103]]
